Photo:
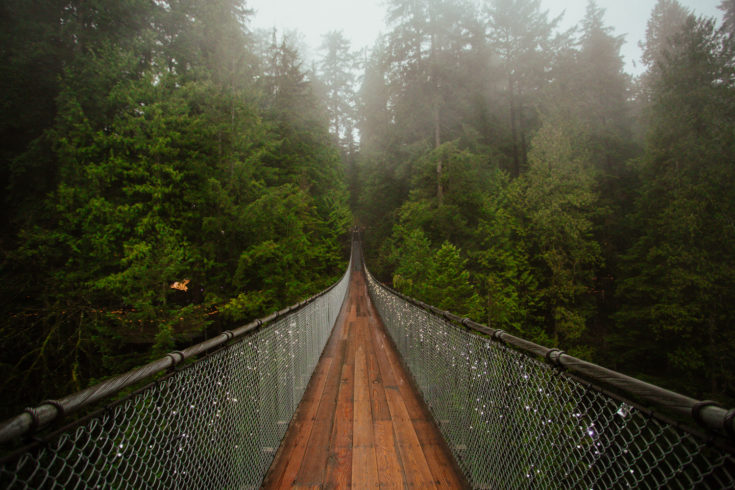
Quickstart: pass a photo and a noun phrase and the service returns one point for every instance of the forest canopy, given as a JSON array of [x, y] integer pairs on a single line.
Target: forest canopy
[[166, 172], [513, 172], [169, 172]]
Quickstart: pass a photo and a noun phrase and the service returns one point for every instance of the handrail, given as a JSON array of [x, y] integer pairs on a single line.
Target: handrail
[[34, 418], [705, 413]]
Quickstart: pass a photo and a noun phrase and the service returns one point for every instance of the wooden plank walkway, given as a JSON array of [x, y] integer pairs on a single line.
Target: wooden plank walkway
[[360, 423]]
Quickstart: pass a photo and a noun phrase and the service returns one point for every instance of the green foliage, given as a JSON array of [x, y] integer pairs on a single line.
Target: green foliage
[[181, 197], [437, 277], [337, 73], [678, 283], [508, 280], [560, 202], [524, 39], [448, 283], [574, 229], [462, 178], [502, 174], [411, 254]]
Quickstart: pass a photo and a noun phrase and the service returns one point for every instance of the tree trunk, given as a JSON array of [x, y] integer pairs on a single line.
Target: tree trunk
[[437, 121], [436, 116], [523, 150], [439, 161], [232, 120], [516, 170]]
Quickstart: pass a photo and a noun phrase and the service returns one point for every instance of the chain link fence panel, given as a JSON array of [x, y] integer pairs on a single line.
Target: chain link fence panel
[[514, 421], [216, 423]]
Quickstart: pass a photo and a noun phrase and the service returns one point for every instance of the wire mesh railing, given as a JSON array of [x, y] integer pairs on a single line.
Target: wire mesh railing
[[215, 423], [518, 415]]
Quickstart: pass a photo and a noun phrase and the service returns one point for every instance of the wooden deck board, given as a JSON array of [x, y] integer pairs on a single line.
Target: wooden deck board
[[361, 424], [295, 443]]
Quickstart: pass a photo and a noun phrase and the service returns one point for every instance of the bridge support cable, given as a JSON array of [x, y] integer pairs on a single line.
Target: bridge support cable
[[520, 415], [212, 423]]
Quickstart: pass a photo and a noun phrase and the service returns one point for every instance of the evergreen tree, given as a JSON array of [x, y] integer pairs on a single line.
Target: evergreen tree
[[336, 72], [678, 286], [666, 21], [560, 201], [591, 90], [448, 283], [603, 88], [728, 21], [374, 117], [427, 43], [507, 278], [179, 197], [44, 42], [410, 254], [522, 36], [439, 277]]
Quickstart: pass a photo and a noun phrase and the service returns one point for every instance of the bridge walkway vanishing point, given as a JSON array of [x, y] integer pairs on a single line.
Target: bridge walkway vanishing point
[[361, 422]]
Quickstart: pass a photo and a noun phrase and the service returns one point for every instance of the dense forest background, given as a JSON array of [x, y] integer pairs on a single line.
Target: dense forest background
[[146, 143], [502, 169], [514, 173]]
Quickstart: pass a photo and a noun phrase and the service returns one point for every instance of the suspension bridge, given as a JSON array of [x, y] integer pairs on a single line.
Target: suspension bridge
[[362, 387]]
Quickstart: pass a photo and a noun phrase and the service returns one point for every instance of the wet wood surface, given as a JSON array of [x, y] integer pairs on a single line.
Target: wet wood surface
[[360, 423]]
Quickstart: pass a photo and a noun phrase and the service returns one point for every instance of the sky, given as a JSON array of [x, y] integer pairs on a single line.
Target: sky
[[362, 21]]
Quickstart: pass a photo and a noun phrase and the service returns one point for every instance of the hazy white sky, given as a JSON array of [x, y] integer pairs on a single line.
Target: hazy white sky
[[362, 20]]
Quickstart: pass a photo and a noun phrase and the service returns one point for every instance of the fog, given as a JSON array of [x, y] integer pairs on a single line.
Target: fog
[[363, 20]]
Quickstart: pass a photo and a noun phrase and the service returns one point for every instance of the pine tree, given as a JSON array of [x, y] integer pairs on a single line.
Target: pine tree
[[666, 21], [728, 21], [506, 276], [336, 72], [166, 167], [448, 283], [678, 285], [425, 46], [560, 202], [522, 35]]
